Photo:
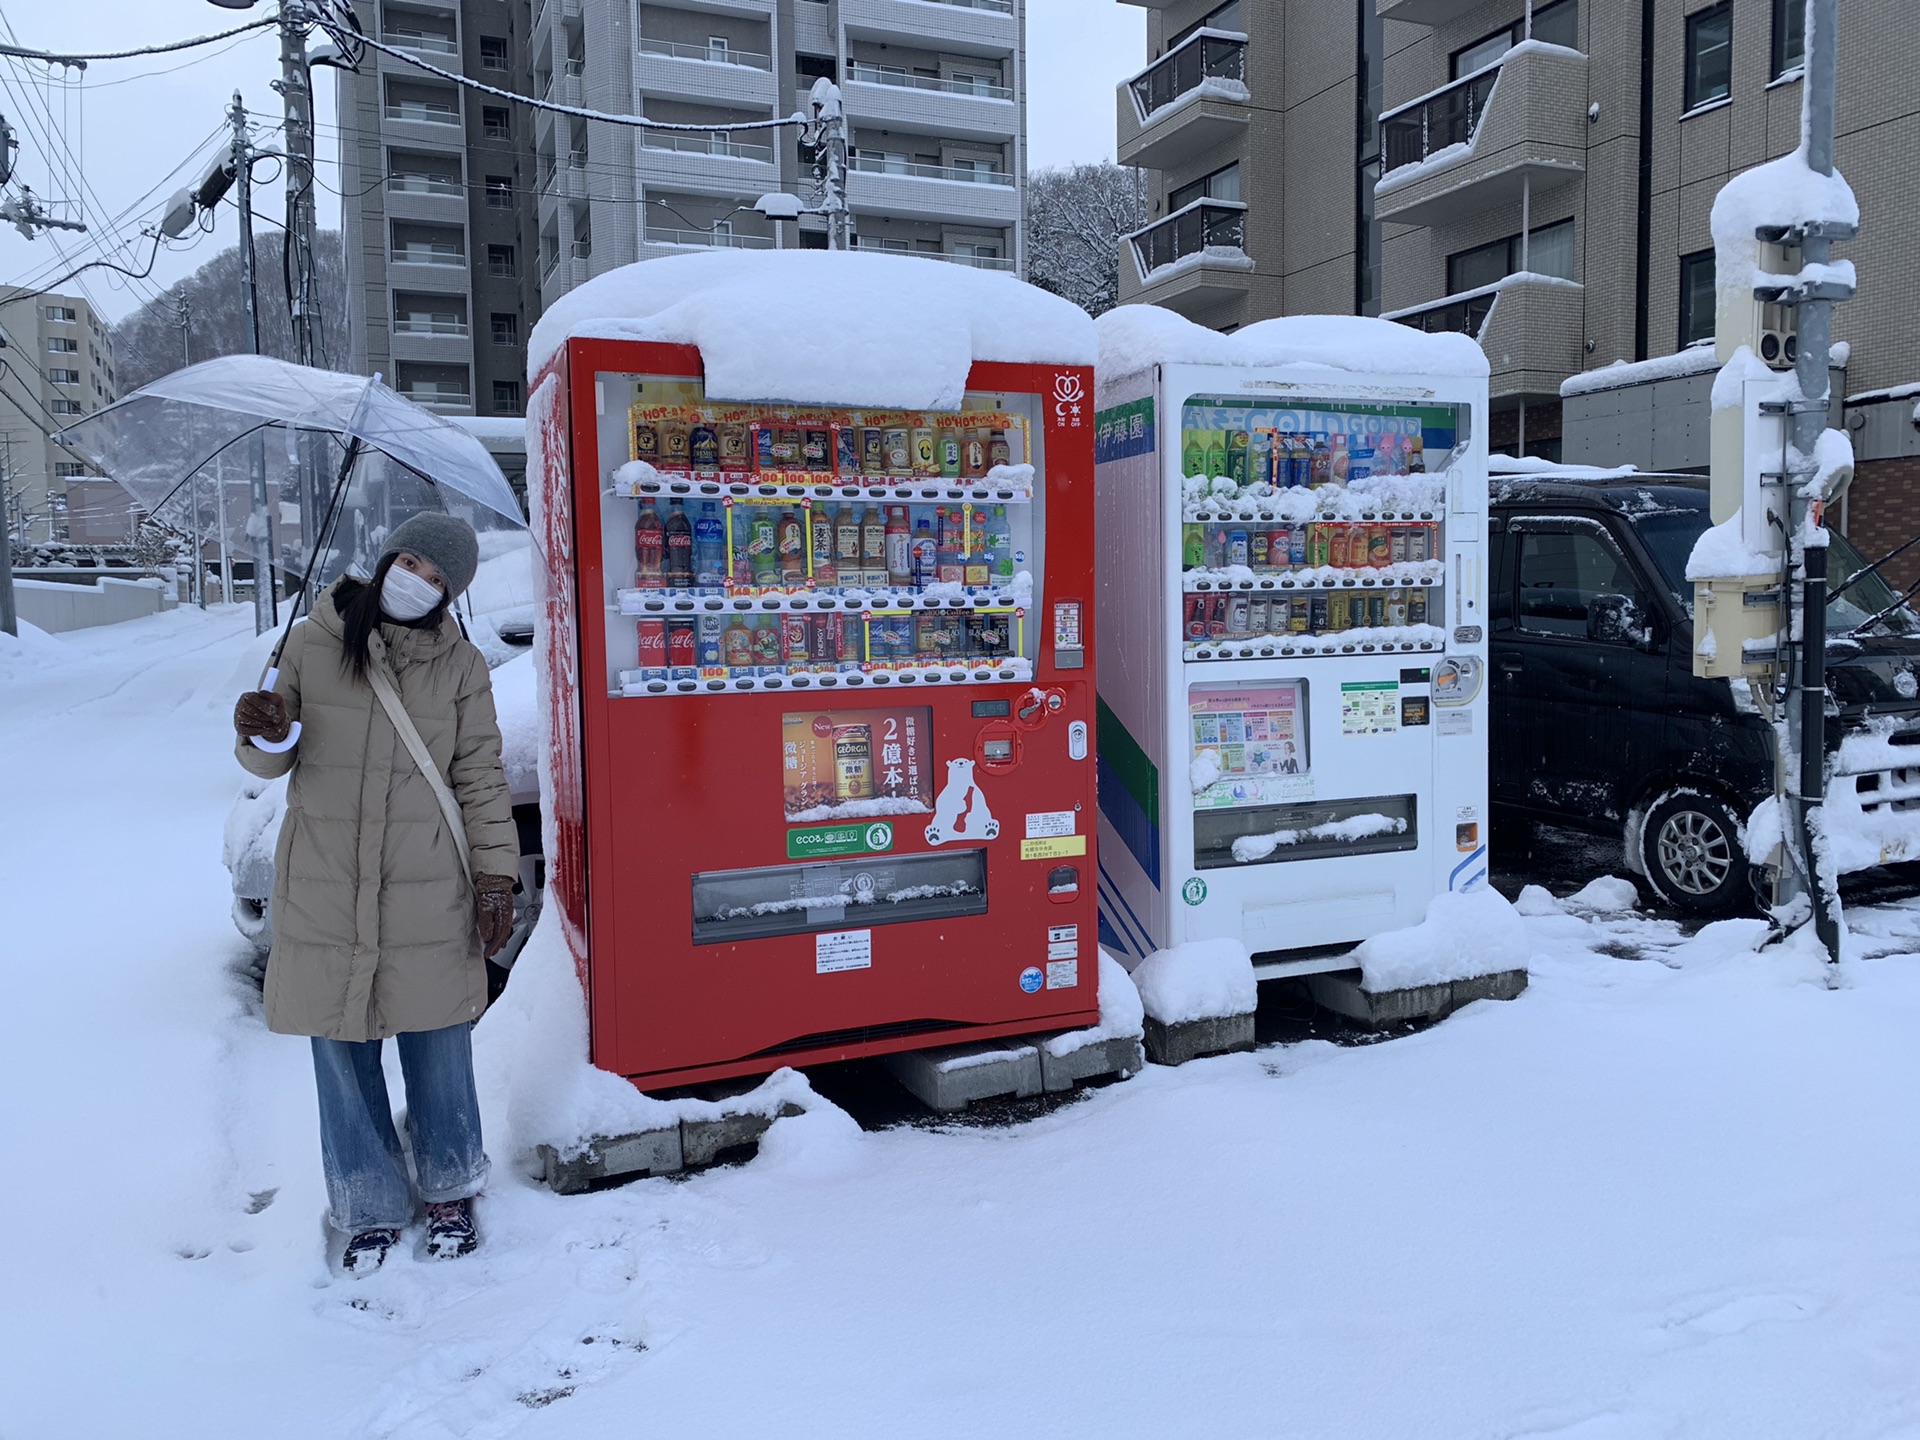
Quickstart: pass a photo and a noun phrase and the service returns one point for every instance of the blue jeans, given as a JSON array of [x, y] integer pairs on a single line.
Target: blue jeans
[[367, 1186]]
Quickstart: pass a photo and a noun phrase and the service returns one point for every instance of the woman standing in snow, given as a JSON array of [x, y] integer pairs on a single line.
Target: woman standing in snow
[[378, 929]]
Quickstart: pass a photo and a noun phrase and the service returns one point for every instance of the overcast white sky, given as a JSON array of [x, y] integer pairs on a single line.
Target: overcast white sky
[[132, 122]]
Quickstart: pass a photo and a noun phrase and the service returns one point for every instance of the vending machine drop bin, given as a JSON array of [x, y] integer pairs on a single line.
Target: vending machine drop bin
[[821, 679], [1292, 731]]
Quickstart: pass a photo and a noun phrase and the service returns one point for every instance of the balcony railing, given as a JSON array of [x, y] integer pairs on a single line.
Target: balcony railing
[[436, 395], [1192, 230], [1203, 56], [752, 59], [708, 239], [1445, 117], [876, 75], [583, 249], [421, 40], [426, 255], [428, 325], [880, 165], [978, 262], [1000, 7], [419, 110], [576, 68], [424, 185], [1462, 314], [716, 144]]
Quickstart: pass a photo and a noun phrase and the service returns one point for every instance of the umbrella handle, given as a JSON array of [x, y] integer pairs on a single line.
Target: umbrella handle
[[275, 747]]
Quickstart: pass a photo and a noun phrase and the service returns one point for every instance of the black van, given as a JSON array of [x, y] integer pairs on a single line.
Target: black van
[[1598, 721]]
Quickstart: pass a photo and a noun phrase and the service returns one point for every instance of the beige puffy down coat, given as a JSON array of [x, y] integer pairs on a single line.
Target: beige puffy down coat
[[374, 931]]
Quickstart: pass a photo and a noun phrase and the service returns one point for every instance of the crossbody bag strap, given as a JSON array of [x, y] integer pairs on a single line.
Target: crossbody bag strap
[[416, 747]]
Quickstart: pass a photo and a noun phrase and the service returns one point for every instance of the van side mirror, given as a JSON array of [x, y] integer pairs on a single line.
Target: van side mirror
[[1616, 620]]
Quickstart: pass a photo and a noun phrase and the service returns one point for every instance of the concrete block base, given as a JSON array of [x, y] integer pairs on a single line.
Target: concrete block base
[[1184, 1040], [688, 1145], [1122, 1057], [952, 1077], [1343, 994]]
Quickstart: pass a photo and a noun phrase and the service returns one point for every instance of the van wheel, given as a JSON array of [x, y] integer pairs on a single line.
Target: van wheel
[[1691, 854]]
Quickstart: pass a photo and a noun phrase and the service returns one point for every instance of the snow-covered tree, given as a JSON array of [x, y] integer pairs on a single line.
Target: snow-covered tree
[[1076, 215], [146, 344]]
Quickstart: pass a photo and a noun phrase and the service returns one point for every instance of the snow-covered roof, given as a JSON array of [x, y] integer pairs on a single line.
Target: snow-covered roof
[[1135, 337], [825, 327], [1694, 360]]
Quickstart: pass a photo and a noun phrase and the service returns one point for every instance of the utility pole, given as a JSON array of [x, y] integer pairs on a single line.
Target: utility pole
[[259, 525], [296, 91], [198, 575], [9, 616]]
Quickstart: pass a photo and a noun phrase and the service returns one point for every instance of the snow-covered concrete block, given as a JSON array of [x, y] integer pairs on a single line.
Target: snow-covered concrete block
[[1184, 1040], [1119, 1055], [1464, 934], [702, 1141], [652, 1152], [1198, 999], [952, 1077], [1346, 993]]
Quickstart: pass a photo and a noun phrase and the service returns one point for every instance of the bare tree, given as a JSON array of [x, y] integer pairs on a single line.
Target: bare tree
[[1076, 215], [147, 344]]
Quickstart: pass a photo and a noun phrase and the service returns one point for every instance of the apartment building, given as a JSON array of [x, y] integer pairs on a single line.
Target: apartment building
[[438, 220], [58, 367], [1539, 175], [935, 96]]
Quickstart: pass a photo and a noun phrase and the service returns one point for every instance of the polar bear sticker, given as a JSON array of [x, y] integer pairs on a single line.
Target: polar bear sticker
[[960, 813]]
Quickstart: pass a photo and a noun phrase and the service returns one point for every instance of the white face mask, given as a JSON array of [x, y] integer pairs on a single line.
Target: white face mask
[[404, 596]]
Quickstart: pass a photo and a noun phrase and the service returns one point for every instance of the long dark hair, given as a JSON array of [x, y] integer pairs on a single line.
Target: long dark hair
[[358, 602]]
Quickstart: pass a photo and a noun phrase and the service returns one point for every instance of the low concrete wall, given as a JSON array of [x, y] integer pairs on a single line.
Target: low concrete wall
[[55, 607]]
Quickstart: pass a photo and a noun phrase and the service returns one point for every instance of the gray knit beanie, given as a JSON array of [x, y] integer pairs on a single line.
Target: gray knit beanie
[[446, 540]]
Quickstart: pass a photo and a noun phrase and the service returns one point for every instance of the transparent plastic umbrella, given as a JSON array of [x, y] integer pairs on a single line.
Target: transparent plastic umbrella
[[172, 440]]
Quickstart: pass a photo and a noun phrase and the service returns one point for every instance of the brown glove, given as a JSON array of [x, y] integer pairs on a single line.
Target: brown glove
[[262, 713], [493, 909]]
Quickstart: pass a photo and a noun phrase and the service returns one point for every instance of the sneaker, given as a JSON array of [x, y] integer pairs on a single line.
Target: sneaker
[[367, 1251], [450, 1229]]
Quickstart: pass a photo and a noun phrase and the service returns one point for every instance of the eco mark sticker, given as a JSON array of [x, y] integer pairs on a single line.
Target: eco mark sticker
[[1194, 891], [1031, 979], [808, 842], [1056, 849]]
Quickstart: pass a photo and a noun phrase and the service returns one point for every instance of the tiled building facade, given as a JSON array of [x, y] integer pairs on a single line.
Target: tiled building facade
[[59, 368]]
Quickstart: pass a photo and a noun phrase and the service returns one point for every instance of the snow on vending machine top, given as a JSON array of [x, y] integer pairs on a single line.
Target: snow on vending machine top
[[819, 539], [1292, 735]]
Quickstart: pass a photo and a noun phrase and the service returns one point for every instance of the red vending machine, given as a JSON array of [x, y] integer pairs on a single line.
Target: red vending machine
[[821, 684]]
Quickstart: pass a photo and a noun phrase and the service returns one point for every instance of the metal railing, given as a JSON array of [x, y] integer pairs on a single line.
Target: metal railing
[[717, 144], [879, 165], [576, 68], [1446, 117], [583, 249], [421, 40], [421, 111], [1205, 55], [1203, 225], [427, 325], [999, 7], [752, 59], [708, 239], [875, 75], [436, 395], [978, 262], [426, 255], [425, 185], [1464, 314]]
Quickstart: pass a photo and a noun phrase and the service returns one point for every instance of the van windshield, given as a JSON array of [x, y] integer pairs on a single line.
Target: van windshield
[[1669, 536]]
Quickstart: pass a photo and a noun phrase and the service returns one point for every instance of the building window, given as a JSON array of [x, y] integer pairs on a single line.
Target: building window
[[1226, 17], [61, 345], [493, 52], [1696, 297], [1555, 24], [1549, 251], [69, 469], [497, 122], [1789, 36], [717, 49], [1710, 54], [58, 376], [506, 396], [62, 314], [499, 192], [65, 407], [506, 329], [500, 264], [1222, 184]]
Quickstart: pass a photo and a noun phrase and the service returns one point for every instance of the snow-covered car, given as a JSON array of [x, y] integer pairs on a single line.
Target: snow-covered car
[[498, 616]]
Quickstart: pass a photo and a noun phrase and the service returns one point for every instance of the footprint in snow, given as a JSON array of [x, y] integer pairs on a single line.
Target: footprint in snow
[[482, 1390], [261, 1199], [1742, 1312]]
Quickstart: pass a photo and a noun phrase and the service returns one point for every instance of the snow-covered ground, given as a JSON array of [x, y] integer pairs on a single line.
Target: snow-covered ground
[[1673, 1190]]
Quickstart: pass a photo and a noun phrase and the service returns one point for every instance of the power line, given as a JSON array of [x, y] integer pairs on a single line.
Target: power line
[[51, 58]]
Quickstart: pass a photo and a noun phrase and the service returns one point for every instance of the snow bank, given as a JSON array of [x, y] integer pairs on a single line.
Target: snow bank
[[1721, 553], [32, 649], [832, 327], [1121, 1012], [1135, 337], [1783, 192], [1200, 980], [1607, 895], [530, 1061], [1464, 935], [1537, 901], [518, 712]]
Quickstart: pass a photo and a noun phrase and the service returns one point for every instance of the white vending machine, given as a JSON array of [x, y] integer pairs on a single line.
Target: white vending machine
[[1292, 589]]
